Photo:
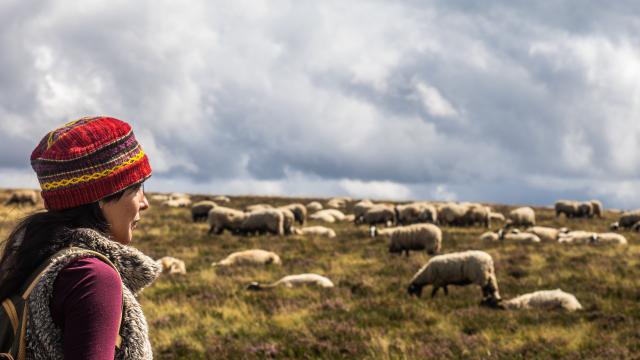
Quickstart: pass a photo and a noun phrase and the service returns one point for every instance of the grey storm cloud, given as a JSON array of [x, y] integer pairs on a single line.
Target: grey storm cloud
[[493, 101]]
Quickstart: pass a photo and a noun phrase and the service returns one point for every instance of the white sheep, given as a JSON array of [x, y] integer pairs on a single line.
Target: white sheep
[[518, 237], [264, 221], [610, 239], [337, 203], [200, 210], [299, 210], [322, 217], [415, 237], [496, 217], [459, 268], [597, 208], [223, 218], [177, 202], [221, 199], [523, 216], [250, 257], [545, 300], [171, 265], [328, 215], [314, 206], [379, 214], [547, 234], [316, 231], [254, 207], [416, 212], [490, 236], [451, 214], [290, 281], [578, 237], [386, 232]]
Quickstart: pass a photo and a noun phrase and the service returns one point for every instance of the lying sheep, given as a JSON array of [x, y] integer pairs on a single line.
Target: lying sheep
[[337, 203], [322, 217], [328, 215], [21, 197], [519, 237], [459, 268], [314, 206], [250, 257], [523, 216], [544, 300], [379, 214], [263, 221], [200, 210], [221, 199], [295, 280], [610, 239], [254, 207], [317, 231], [578, 237], [171, 265], [496, 217], [222, 218], [177, 203], [416, 237], [299, 211], [547, 234], [490, 236]]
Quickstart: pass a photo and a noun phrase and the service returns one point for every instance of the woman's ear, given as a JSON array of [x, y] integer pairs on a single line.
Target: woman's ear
[[101, 204]]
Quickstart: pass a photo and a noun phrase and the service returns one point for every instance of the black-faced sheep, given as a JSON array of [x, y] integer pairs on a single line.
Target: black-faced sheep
[[544, 300], [295, 280], [250, 257], [416, 237], [200, 210], [460, 268]]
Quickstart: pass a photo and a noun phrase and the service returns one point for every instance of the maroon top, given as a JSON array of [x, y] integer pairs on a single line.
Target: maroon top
[[87, 306]]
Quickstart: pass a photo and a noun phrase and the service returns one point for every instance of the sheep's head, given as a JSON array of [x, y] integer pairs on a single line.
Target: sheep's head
[[254, 286], [614, 226], [492, 302], [415, 290]]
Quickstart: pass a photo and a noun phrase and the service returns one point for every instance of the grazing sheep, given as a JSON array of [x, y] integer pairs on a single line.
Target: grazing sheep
[[171, 265], [523, 216], [299, 211], [628, 219], [546, 234], [360, 208], [250, 257], [264, 221], [585, 209], [314, 206], [416, 212], [578, 237], [476, 214], [289, 219], [221, 199], [200, 210], [21, 197], [416, 237], [295, 280], [337, 203], [597, 208], [451, 214], [177, 202], [317, 231], [222, 218], [459, 268], [255, 207], [379, 214], [544, 300], [567, 207], [496, 217]]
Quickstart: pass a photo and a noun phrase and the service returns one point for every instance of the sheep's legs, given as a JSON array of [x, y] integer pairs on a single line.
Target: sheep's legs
[[446, 291], [434, 291]]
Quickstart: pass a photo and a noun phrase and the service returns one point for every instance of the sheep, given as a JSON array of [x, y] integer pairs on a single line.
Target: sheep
[[360, 208], [546, 234], [171, 265], [316, 231], [585, 209], [319, 216], [200, 210], [250, 257], [263, 221], [416, 212], [178, 195], [545, 300], [524, 237], [496, 217], [628, 219], [254, 207], [289, 218], [614, 226], [476, 214], [416, 237], [314, 206], [379, 214], [299, 211], [222, 218], [221, 199], [459, 268], [597, 208], [578, 237], [567, 207], [349, 218], [523, 216], [337, 214], [290, 281], [451, 214], [160, 197], [336, 203], [374, 231], [610, 239], [490, 236], [21, 197], [177, 202]]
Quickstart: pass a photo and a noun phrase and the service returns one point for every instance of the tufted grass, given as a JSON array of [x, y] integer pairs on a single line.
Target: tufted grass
[[208, 314]]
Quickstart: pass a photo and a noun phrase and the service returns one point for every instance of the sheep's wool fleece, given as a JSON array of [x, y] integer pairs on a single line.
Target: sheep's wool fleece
[[44, 338]]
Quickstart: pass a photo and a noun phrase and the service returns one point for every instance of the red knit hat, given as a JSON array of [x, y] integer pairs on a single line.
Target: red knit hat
[[87, 160]]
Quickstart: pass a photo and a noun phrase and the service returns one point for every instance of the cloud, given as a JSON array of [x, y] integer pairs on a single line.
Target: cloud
[[449, 100]]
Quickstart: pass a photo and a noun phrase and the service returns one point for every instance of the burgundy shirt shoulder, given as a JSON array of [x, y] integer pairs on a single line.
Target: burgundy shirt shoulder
[[87, 306]]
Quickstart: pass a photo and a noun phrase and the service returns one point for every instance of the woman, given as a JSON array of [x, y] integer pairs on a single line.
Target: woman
[[91, 172]]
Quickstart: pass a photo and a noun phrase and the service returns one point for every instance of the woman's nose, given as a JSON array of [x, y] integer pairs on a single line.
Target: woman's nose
[[144, 204]]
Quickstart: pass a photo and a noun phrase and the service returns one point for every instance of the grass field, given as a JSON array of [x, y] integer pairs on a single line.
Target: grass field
[[208, 314]]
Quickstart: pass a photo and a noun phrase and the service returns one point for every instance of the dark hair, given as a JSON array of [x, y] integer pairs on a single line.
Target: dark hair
[[41, 234]]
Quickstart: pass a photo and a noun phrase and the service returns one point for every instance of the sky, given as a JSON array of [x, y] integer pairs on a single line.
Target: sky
[[514, 102]]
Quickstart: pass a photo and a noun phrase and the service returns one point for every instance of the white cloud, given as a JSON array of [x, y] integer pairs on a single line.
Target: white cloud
[[434, 103]]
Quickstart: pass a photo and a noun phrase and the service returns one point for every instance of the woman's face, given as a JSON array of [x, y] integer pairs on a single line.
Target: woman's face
[[123, 214]]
